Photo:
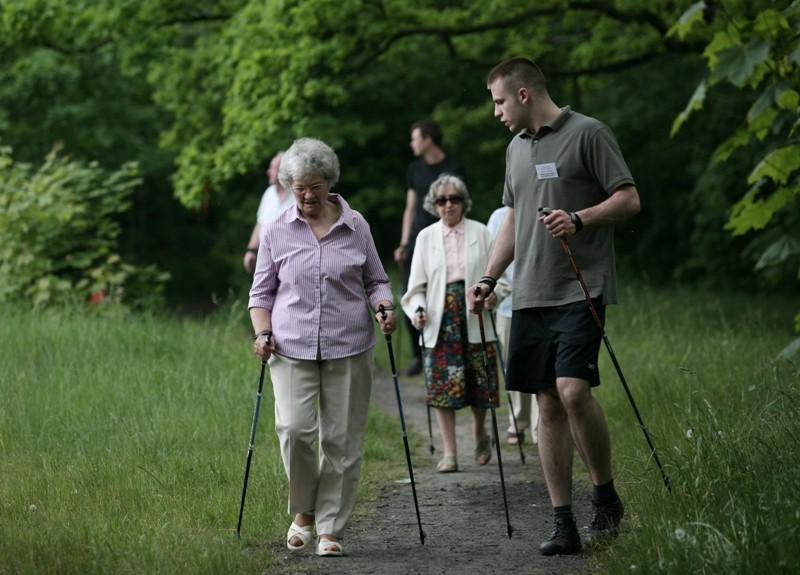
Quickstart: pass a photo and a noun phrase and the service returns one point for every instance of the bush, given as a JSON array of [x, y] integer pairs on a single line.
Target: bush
[[59, 234]]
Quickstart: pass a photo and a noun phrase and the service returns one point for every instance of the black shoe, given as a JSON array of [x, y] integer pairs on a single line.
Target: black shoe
[[415, 367], [605, 523], [564, 538]]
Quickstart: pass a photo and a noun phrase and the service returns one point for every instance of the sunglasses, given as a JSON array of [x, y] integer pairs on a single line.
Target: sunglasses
[[442, 200]]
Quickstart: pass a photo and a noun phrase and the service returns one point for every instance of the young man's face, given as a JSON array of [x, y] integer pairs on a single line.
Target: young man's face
[[508, 107], [419, 144]]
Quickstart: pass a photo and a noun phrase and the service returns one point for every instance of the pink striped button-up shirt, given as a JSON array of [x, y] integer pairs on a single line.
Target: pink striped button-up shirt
[[454, 251], [318, 290]]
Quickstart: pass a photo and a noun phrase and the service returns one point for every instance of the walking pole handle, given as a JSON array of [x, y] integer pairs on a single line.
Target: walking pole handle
[[419, 311], [382, 311], [584, 289]]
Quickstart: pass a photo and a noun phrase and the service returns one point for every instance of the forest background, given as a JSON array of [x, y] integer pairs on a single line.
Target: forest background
[[134, 136]]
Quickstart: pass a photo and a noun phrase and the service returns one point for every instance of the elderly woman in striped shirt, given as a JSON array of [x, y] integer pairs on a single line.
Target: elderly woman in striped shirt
[[317, 275]]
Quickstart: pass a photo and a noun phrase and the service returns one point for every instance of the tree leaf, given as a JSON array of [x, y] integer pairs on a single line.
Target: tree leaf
[[738, 64], [778, 252], [778, 165], [695, 104], [794, 55], [740, 138], [719, 43], [687, 21], [754, 213], [764, 101], [788, 98], [769, 21]]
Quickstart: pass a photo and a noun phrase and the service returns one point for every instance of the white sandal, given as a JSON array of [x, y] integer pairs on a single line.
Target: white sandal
[[328, 548], [305, 535]]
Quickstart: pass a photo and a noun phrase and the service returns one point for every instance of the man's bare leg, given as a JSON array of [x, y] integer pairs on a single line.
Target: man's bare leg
[[556, 453]]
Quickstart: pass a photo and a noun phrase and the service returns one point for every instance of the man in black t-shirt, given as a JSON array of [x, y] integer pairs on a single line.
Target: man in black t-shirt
[[430, 163]]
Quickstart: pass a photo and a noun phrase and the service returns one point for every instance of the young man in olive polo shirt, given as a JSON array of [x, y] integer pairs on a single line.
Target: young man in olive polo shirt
[[572, 164]]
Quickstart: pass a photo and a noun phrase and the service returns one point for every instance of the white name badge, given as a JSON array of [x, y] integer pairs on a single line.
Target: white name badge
[[546, 171]]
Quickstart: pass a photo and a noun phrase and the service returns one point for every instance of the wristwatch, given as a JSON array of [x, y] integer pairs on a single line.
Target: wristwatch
[[576, 221]]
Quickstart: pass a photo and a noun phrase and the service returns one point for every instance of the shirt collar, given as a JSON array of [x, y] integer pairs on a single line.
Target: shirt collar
[[345, 211], [552, 126], [458, 229]]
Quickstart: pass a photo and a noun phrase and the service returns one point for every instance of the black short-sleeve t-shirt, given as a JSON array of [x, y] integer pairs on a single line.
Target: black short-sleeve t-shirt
[[419, 178]]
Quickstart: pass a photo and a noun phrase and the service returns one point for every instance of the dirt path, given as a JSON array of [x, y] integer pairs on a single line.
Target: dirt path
[[463, 516]]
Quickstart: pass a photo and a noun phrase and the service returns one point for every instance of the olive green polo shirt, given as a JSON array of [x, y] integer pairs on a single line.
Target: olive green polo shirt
[[571, 163]]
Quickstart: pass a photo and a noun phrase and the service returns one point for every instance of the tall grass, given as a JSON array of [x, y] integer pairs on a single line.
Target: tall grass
[[724, 412], [123, 440]]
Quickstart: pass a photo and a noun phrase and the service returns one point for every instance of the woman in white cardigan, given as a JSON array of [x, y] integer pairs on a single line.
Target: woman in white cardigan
[[449, 255]]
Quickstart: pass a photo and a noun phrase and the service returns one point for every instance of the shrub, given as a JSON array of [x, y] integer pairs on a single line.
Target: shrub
[[59, 234]]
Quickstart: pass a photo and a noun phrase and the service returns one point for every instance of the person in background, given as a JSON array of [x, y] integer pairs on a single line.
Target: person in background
[[450, 254], [572, 164], [430, 163], [274, 200], [317, 276], [525, 412]]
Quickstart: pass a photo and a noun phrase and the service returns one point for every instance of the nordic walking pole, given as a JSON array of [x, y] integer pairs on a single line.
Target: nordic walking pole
[[250, 447], [400, 269], [510, 403], [427, 405], [509, 529], [667, 483], [382, 311]]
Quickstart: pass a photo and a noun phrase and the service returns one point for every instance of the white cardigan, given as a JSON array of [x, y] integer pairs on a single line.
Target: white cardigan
[[427, 281]]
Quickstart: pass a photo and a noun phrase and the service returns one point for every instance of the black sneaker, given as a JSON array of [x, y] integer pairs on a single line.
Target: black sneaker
[[605, 523], [564, 538]]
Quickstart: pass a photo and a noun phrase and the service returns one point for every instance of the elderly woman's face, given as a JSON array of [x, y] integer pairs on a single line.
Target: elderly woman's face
[[450, 205], [311, 195]]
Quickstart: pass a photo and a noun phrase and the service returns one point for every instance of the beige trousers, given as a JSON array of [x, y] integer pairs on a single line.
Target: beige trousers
[[321, 416], [526, 410]]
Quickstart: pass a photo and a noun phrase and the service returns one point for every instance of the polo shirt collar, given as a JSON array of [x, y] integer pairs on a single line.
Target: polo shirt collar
[[552, 126]]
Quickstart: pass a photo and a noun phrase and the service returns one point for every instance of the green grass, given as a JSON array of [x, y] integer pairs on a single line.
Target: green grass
[[123, 440], [724, 414]]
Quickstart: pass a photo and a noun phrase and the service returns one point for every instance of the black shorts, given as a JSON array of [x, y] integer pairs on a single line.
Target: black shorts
[[550, 342]]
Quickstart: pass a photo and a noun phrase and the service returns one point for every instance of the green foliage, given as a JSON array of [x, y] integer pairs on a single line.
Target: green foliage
[[61, 80], [240, 76], [59, 234], [202, 93], [755, 49]]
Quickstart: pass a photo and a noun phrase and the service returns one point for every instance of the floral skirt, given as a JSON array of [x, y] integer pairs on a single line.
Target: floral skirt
[[454, 373]]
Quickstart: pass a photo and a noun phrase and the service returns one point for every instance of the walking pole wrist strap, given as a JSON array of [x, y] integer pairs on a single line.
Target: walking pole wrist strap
[[488, 281], [267, 336]]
